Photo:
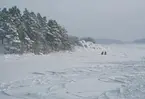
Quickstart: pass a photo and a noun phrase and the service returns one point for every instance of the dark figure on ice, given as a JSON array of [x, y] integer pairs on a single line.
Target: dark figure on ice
[[104, 53]]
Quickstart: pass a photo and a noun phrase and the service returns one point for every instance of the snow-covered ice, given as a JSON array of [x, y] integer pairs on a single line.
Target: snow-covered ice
[[82, 74]]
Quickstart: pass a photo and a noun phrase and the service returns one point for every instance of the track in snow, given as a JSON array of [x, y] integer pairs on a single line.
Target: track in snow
[[81, 82], [85, 75]]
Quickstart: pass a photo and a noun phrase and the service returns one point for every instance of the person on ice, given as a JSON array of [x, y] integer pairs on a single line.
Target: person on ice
[[104, 53]]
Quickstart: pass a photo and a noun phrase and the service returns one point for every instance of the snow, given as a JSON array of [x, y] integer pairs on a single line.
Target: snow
[[1, 30], [8, 36], [82, 74]]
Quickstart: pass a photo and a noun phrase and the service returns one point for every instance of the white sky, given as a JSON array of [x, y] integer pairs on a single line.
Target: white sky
[[113, 19]]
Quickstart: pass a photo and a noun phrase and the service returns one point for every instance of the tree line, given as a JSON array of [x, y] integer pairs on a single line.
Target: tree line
[[24, 32]]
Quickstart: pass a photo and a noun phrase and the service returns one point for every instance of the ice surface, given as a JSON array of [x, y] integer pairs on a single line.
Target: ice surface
[[82, 74]]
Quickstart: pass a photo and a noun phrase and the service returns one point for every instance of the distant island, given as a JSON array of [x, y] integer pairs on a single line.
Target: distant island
[[139, 41], [109, 41]]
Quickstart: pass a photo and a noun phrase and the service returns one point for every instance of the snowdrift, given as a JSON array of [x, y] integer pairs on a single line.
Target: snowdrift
[[89, 46]]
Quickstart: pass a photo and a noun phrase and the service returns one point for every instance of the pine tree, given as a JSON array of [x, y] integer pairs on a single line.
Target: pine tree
[[2, 24], [42, 21], [18, 22], [54, 40], [60, 35], [30, 21], [11, 35]]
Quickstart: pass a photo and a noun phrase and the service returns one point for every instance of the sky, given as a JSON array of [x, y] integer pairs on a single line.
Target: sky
[[112, 19]]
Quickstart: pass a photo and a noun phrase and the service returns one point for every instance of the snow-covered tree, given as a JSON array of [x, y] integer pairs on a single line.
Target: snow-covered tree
[[8, 24], [60, 38]]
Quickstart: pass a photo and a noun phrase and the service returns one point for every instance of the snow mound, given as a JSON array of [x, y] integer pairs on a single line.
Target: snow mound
[[90, 46]]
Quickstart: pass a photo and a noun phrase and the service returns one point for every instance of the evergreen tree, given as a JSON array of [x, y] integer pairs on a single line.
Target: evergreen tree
[[11, 35], [60, 38], [30, 21], [44, 32]]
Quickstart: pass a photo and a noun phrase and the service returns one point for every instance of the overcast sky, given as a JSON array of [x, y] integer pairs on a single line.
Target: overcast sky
[[113, 19]]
